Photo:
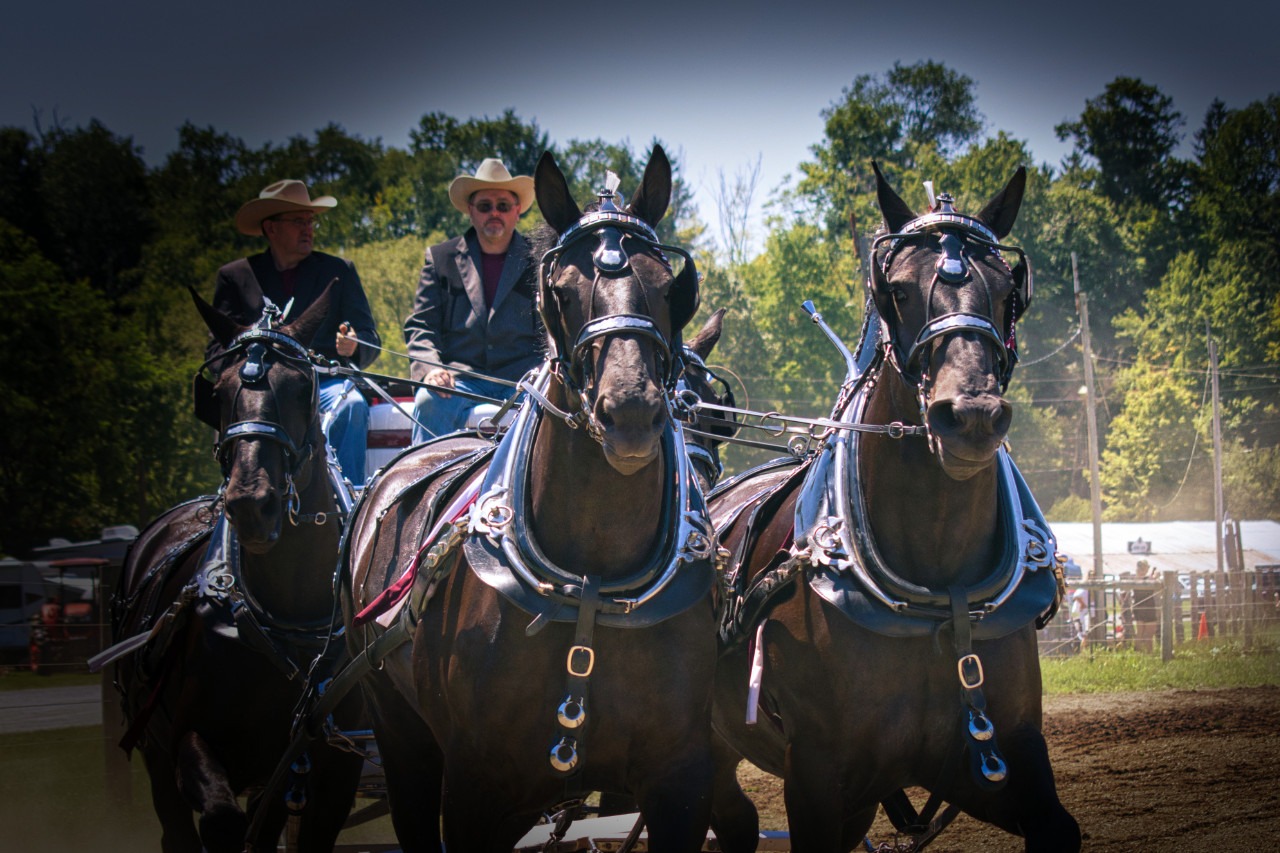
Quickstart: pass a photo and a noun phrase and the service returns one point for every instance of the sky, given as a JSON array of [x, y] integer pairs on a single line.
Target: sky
[[721, 84]]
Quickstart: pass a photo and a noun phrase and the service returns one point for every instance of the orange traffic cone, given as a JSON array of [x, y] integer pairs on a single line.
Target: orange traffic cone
[[1203, 633]]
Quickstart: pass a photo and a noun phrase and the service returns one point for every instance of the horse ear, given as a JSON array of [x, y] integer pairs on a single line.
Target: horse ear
[[1002, 210], [708, 335], [303, 330], [654, 195], [895, 210], [223, 328], [552, 191]]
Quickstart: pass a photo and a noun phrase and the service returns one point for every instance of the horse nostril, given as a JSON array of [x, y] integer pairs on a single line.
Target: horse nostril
[[605, 419], [943, 418]]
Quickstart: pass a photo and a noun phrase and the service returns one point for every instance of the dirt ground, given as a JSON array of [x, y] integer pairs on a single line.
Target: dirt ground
[[1171, 770]]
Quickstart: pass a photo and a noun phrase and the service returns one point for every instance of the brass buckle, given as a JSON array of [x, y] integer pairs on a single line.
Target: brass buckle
[[970, 659], [591, 661]]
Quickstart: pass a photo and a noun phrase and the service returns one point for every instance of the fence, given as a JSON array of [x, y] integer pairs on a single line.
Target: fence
[[1161, 614]]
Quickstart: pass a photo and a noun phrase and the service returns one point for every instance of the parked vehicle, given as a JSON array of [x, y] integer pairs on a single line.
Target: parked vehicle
[[70, 626], [22, 594]]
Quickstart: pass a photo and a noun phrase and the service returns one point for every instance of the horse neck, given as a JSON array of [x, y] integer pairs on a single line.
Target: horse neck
[[294, 580], [586, 516], [930, 528]]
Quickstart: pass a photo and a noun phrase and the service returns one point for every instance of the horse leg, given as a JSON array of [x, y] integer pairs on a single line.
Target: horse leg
[[810, 789], [478, 811], [677, 806], [733, 816], [1040, 815], [331, 791], [855, 827], [203, 782], [177, 829], [412, 762], [272, 824]]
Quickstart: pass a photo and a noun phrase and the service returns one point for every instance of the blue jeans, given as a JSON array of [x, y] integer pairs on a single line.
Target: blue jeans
[[346, 415], [440, 416]]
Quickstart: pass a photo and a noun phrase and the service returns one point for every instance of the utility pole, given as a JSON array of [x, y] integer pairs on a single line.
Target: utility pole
[[1095, 489], [1218, 508]]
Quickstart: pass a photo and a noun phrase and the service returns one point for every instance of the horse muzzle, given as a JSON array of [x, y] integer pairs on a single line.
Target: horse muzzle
[[968, 430], [257, 516]]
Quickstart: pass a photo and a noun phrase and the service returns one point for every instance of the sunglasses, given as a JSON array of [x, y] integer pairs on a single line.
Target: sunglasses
[[299, 222], [486, 206]]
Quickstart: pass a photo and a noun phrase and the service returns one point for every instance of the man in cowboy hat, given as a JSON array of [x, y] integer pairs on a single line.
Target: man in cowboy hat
[[291, 276], [474, 311]]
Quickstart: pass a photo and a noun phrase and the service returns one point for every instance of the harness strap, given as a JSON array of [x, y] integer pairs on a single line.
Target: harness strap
[[256, 637], [978, 740], [310, 724], [986, 765], [566, 755]]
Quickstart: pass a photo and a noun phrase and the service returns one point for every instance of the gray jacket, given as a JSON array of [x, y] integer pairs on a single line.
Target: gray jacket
[[450, 324]]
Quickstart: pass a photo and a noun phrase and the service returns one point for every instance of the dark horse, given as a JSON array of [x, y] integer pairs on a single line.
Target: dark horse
[[887, 591], [559, 637], [234, 630]]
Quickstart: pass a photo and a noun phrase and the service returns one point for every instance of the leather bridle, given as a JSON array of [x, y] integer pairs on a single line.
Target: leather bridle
[[962, 239], [615, 231], [262, 347]]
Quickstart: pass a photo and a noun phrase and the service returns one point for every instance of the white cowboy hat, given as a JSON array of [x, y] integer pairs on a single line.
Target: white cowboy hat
[[280, 197], [491, 175]]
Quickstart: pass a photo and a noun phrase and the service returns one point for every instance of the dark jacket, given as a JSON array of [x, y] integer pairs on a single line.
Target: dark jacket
[[450, 324], [241, 285]]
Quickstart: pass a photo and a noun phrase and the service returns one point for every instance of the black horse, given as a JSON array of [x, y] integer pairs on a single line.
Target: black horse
[[559, 634], [234, 630], [888, 590]]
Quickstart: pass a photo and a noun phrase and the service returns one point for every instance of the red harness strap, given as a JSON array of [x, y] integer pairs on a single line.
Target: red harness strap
[[392, 595]]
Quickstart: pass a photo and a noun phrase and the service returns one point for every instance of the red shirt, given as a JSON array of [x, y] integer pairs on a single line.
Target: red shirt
[[491, 274]]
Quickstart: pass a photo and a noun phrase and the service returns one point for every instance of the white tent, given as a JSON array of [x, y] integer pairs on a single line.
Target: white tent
[[1181, 546]]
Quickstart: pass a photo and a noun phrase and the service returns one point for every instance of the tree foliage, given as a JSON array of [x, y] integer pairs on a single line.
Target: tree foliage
[[97, 251]]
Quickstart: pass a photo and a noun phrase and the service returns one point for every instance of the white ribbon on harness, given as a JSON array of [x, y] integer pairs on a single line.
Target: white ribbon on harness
[[757, 674]]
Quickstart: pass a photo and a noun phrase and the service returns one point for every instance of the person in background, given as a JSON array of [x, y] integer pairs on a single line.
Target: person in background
[[474, 310], [292, 275], [1146, 611]]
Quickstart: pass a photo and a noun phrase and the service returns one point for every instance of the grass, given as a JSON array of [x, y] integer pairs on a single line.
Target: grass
[[1196, 665], [23, 679], [52, 796]]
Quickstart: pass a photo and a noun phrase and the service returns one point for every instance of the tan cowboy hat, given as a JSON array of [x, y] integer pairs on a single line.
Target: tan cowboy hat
[[491, 175], [280, 197]]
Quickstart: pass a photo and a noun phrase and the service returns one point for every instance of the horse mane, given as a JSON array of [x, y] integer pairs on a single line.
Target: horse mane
[[542, 239]]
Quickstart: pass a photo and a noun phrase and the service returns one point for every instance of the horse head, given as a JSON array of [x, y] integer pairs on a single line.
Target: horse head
[[268, 426], [948, 301], [613, 307]]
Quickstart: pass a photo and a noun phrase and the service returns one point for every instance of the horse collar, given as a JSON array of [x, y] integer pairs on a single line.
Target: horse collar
[[503, 552], [833, 535]]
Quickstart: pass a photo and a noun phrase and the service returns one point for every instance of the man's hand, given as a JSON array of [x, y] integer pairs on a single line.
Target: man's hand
[[443, 378], [346, 341]]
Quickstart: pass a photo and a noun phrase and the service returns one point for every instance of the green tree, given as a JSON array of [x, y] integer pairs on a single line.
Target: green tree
[[917, 113], [21, 162], [96, 203], [1130, 130], [87, 427]]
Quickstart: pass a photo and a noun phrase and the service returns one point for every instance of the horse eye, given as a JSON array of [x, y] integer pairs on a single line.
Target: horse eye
[[899, 295]]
